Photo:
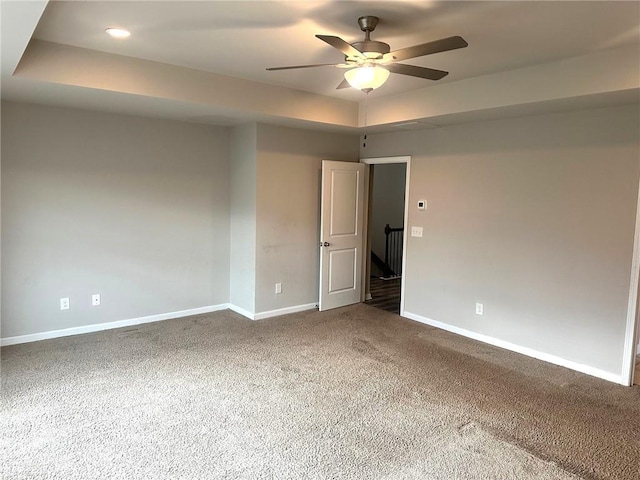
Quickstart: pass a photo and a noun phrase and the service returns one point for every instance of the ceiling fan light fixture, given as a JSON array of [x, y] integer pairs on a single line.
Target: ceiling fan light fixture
[[118, 32], [372, 55], [367, 78]]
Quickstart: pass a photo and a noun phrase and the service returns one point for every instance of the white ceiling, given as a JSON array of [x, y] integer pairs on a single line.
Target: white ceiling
[[242, 38]]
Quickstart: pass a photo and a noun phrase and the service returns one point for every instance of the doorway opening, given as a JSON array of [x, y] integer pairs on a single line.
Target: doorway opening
[[385, 232]]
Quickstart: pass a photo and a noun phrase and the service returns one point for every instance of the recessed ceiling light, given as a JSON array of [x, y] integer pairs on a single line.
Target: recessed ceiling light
[[118, 32]]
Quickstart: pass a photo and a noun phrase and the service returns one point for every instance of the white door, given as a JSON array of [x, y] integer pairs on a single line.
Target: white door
[[341, 234]]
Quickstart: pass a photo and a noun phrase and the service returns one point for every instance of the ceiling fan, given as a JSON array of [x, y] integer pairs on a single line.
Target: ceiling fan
[[369, 62]]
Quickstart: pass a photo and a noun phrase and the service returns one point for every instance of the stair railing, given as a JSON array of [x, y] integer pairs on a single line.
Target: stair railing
[[393, 249]]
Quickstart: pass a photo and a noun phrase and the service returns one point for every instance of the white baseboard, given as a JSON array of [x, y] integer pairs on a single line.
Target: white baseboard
[[547, 357], [65, 332], [284, 311], [34, 337], [242, 311], [272, 313]]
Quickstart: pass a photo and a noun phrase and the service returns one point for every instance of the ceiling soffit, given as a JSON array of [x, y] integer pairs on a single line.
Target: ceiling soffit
[[62, 64]]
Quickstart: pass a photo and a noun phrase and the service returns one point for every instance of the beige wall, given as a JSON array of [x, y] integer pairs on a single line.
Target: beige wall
[[156, 216], [243, 217], [288, 211], [534, 218], [131, 208]]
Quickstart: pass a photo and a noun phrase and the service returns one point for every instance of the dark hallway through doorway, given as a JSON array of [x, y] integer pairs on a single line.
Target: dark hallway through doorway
[[385, 294]]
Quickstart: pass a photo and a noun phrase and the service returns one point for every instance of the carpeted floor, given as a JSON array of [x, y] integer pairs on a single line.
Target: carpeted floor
[[354, 393]]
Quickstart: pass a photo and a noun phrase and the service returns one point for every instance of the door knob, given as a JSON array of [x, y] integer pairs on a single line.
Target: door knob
[[326, 244]]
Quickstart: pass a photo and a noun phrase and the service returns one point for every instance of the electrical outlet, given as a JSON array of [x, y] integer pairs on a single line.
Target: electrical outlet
[[416, 231], [64, 303], [479, 309], [95, 299], [278, 288]]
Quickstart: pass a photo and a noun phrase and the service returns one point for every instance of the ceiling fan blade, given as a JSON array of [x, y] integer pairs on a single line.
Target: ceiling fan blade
[[343, 84], [305, 66], [340, 44], [442, 45], [413, 71]]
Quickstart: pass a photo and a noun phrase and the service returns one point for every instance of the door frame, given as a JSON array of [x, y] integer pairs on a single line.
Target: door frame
[[632, 333], [367, 250]]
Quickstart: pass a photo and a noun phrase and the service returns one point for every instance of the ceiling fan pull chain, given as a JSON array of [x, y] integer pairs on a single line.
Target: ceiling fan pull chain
[[364, 143]]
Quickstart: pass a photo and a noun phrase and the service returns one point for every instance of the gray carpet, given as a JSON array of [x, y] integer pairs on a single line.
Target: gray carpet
[[355, 393]]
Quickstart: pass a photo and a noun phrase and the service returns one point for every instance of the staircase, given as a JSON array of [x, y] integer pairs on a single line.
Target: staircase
[[391, 266]]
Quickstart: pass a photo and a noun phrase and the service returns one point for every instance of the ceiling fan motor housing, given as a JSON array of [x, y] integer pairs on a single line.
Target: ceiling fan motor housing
[[372, 49]]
